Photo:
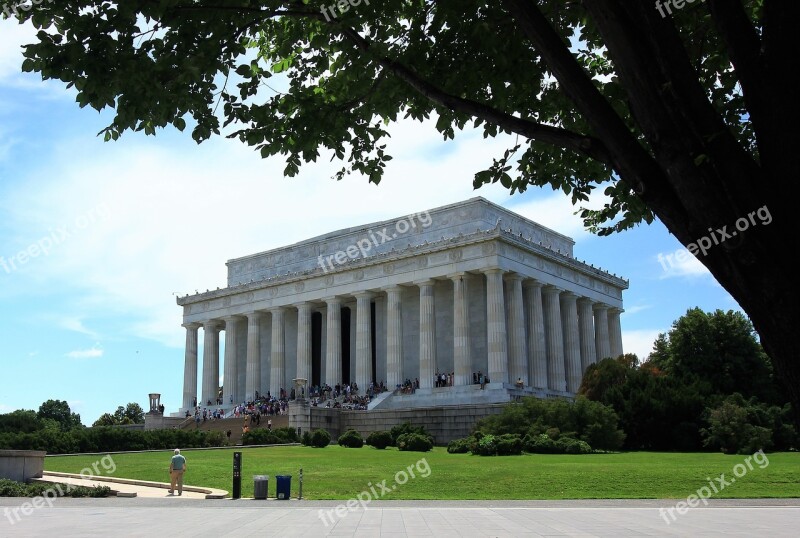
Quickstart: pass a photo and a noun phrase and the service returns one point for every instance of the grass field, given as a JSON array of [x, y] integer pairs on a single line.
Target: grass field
[[340, 473]]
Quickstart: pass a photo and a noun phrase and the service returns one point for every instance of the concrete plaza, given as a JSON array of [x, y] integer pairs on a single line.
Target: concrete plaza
[[246, 517]]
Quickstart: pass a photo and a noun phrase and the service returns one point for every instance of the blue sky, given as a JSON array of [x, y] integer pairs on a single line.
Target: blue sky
[[126, 225]]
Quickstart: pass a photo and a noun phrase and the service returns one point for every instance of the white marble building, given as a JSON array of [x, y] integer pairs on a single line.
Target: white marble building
[[462, 288]]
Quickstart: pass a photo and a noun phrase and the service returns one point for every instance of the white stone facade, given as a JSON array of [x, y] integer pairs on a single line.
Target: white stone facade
[[462, 288]]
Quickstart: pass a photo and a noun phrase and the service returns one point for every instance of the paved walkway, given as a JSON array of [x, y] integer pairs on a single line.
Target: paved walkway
[[133, 488], [196, 518]]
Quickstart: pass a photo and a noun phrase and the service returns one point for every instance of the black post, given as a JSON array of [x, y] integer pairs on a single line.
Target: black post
[[237, 475]]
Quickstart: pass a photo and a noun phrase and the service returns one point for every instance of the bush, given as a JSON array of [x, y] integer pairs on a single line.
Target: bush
[[486, 446], [568, 445], [509, 445], [351, 439], [414, 442], [306, 440], [406, 428], [461, 446], [10, 488], [737, 426], [539, 444], [379, 440], [320, 438]]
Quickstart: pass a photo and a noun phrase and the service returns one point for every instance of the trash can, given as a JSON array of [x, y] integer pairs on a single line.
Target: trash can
[[283, 487], [260, 486]]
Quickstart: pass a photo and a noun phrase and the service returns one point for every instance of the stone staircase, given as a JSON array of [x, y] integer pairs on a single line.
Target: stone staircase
[[235, 425]]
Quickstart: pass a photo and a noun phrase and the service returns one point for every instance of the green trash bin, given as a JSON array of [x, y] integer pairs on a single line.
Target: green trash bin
[[260, 487], [283, 487]]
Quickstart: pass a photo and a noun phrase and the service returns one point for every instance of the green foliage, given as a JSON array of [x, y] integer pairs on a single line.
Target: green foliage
[[351, 439], [109, 439], [461, 446], [380, 440], [739, 426], [414, 442], [20, 421], [405, 428], [720, 352], [59, 411], [10, 488], [591, 422], [320, 438], [544, 444], [278, 436], [306, 440]]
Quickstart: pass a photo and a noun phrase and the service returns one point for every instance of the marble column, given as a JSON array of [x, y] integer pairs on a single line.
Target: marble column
[[586, 330], [231, 374], [394, 337], [615, 332], [572, 343], [190, 366], [253, 371], [427, 334], [537, 346], [304, 342], [333, 341], [363, 340], [277, 354], [496, 327], [462, 358], [601, 342], [210, 363], [517, 352], [554, 338]]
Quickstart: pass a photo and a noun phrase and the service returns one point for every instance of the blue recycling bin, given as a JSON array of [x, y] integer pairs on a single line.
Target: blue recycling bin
[[283, 487]]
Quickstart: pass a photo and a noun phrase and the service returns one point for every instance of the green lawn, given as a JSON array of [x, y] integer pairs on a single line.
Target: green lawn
[[340, 473]]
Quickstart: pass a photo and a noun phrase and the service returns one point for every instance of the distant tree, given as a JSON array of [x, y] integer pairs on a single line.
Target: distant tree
[[20, 421], [130, 414], [59, 411], [106, 419], [720, 351]]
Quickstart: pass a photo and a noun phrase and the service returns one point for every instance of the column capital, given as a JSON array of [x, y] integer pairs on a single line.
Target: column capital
[[277, 310], [332, 300], [512, 277], [425, 282], [615, 310], [255, 315], [191, 326], [585, 300], [531, 283], [492, 271], [458, 275], [600, 306], [549, 288], [212, 325], [305, 305], [569, 295], [393, 287], [234, 318], [363, 294]]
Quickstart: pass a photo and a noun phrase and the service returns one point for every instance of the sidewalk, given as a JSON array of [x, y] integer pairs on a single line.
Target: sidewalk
[[134, 488]]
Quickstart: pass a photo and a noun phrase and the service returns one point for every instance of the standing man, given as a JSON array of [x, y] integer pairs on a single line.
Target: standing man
[[177, 466]]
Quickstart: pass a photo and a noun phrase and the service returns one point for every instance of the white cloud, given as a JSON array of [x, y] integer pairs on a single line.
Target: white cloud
[[91, 353], [76, 325], [680, 263], [630, 310], [640, 341]]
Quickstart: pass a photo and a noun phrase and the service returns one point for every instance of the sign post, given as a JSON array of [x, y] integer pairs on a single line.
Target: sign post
[[237, 475]]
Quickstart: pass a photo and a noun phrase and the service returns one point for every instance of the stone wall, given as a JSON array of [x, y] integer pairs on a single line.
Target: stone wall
[[21, 465], [444, 423]]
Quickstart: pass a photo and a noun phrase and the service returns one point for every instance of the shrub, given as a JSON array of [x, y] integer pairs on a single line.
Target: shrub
[[461, 446], [262, 437], [406, 428], [10, 488], [486, 446], [539, 444], [568, 445], [509, 445], [414, 442], [379, 440], [306, 440], [351, 439], [320, 438]]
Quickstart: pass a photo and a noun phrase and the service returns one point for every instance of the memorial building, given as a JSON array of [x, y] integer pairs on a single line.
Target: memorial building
[[460, 289]]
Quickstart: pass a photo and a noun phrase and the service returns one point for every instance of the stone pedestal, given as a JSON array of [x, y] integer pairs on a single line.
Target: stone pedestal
[[21, 465]]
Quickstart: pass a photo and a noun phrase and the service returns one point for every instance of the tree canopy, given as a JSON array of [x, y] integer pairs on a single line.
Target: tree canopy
[[59, 411], [679, 114]]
